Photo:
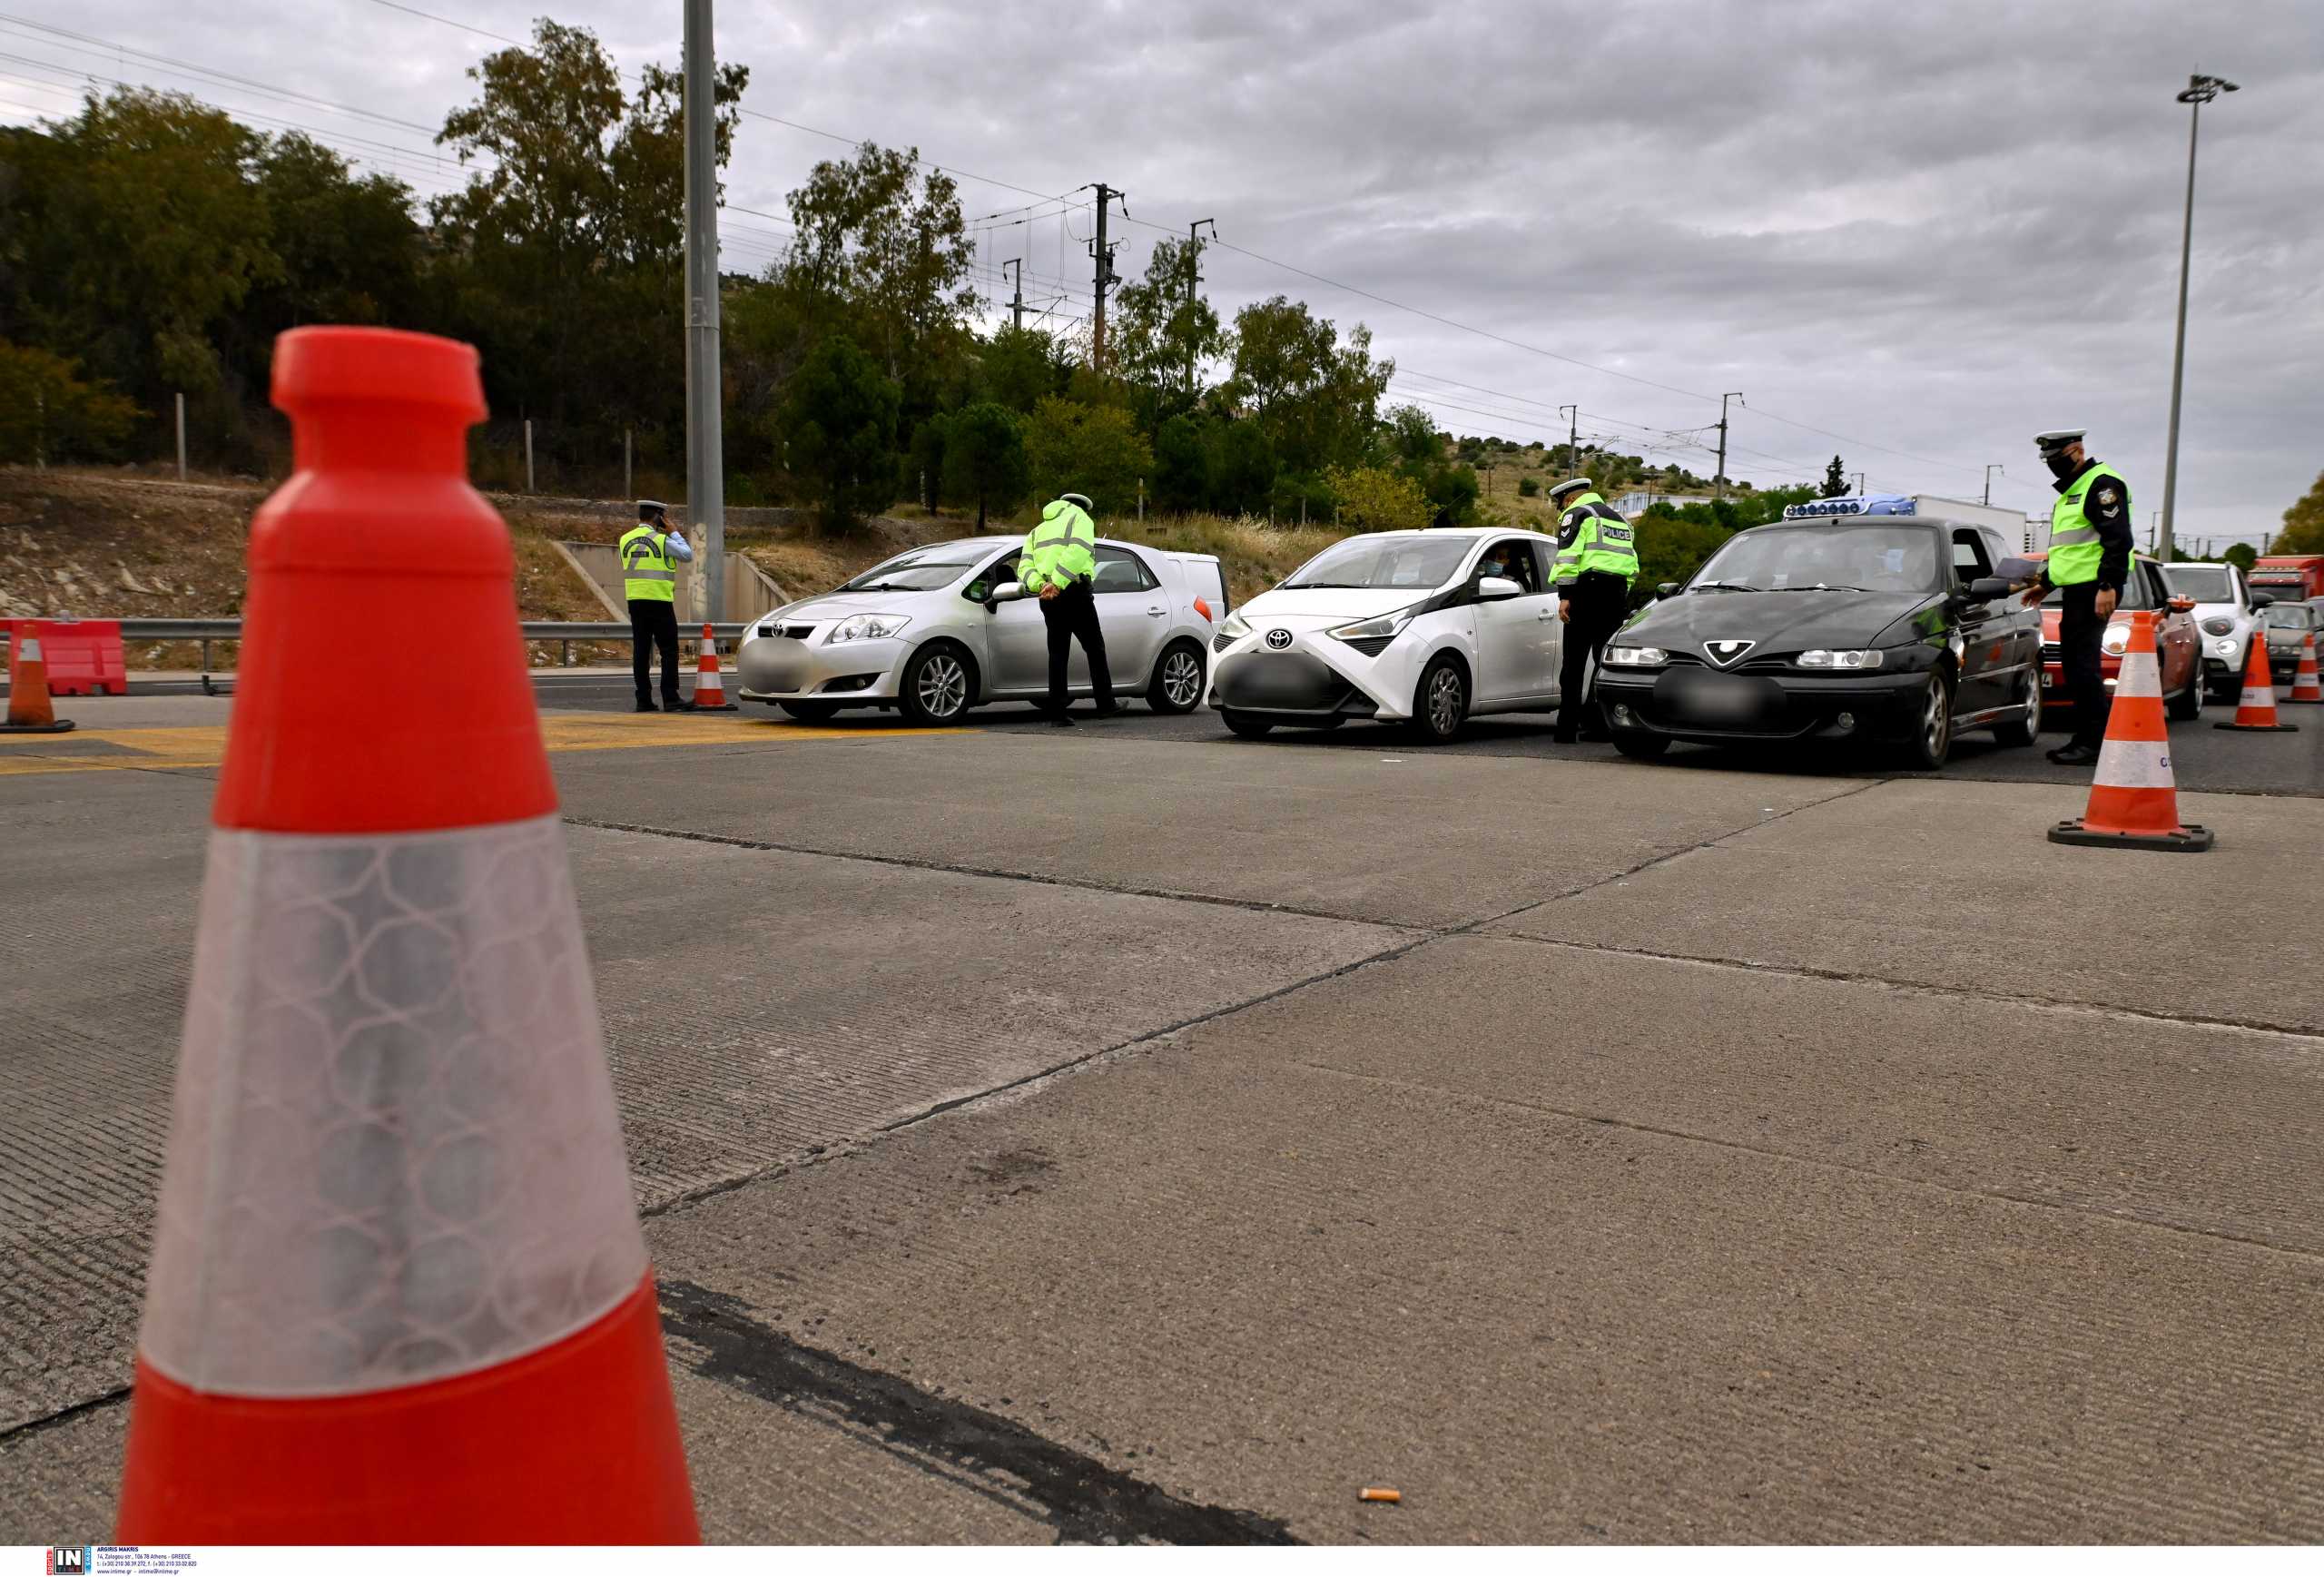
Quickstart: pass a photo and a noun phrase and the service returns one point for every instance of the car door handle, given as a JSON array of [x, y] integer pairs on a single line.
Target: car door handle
[[1547, 616], [1154, 613]]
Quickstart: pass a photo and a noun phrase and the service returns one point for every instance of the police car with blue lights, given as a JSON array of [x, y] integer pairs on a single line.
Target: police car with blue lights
[[1869, 618]]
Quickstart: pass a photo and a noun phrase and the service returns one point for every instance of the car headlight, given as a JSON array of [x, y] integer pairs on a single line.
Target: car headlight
[[1386, 626], [2224, 649], [1850, 658], [1234, 627], [2218, 626], [2116, 641], [866, 627], [1636, 657]]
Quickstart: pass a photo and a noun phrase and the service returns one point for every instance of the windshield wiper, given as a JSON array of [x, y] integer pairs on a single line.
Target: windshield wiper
[[1333, 586], [1819, 585], [1723, 586]]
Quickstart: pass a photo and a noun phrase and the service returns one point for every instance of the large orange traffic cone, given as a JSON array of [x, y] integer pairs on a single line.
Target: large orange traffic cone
[[398, 1293], [709, 686], [30, 711], [2134, 803], [2305, 689], [2256, 711]]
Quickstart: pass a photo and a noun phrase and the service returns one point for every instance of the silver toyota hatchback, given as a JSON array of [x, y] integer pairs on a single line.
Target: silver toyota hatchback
[[939, 629]]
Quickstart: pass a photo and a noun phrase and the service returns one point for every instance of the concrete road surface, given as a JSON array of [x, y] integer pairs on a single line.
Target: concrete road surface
[[1131, 1133]]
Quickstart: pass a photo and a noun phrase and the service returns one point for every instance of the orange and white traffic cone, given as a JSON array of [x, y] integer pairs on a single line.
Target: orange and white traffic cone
[[30, 711], [2305, 689], [398, 1293], [2133, 803], [2256, 711], [709, 685]]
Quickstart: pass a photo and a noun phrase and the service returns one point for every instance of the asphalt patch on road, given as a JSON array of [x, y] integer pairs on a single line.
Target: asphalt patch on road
[[1083, 1499]]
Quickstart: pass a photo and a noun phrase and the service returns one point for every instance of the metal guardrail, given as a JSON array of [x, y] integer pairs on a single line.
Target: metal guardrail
[[564, 633]]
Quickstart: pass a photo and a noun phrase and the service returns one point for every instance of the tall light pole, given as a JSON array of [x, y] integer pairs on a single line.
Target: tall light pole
[[2200, 90], [1989, 480], [1718, 483], [705, 450], [1194, 286]]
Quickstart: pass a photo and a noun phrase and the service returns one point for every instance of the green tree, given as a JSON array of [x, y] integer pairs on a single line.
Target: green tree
[[1372, 500], [984, 458], [1243, 468], [1022, 367], [839, 424], [49, 412], [1836, 479], [1411, 441], [1529, 487], [2241, 555], [1163, 332], [2303, 529], [1093, 450], [1182, 479], [925, 463], [1317, 400], [895, 254]]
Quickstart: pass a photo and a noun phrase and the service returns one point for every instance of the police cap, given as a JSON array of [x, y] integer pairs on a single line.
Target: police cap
[[649, 508], [1081, 499], [2050, 443], [1571, 485]]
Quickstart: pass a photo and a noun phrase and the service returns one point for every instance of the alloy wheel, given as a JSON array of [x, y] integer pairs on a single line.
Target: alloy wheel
[[943, 686], [1444, 700], [1937, 720], [1181, 678]]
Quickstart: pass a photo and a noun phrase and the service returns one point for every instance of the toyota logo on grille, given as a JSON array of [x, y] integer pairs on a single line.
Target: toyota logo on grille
[[1278, 639], [1726, 652]]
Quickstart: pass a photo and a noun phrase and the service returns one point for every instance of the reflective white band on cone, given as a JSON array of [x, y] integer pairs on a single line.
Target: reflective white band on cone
[[2133, 763], [2140, 674], [395, 1156]]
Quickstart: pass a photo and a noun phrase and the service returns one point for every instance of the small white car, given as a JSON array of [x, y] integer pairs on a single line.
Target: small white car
[[1422, 628], [939, 629], [2226, 616]]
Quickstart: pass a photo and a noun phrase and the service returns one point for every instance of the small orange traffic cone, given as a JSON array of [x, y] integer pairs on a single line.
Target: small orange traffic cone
[[2133, 803], [709, 685], [30, 711], [2305, 689], [2256, 711], [397, 1292]]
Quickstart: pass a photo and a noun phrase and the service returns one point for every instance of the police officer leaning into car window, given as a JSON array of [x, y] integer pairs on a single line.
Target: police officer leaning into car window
[[649, 550], [1597, 561], [2089, 562], [1059, 564]]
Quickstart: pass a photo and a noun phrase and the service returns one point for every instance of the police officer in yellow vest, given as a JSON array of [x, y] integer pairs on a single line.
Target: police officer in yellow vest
[[2089, 562], [1058, 566], [648, 552], [1597, 561]]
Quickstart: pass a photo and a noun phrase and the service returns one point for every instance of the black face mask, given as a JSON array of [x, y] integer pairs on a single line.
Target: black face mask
[[2061, 466]]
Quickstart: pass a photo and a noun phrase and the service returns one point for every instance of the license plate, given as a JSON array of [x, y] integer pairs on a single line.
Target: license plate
[[1718, 700]]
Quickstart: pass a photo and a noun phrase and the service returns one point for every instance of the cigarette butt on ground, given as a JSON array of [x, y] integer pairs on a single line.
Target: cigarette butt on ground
[[1380, 1492]]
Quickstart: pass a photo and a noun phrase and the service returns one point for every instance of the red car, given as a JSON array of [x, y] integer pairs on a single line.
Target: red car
[[2177, 642]]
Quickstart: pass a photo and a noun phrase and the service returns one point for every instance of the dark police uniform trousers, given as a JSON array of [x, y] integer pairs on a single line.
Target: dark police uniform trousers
[[1072, 616], [654, 622], [2080, 630], [1600, 601]]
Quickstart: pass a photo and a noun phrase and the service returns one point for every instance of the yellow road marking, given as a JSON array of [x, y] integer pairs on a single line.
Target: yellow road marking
[[25, 755]]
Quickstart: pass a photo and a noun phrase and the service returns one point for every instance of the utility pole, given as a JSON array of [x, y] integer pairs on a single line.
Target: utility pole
[[2200, 90], [1718, 483], [1104, 279], [1016, 301], [1194, 286], [180, 435], [1572, 414], [1989, 481], [705, 450], [1859, 484]]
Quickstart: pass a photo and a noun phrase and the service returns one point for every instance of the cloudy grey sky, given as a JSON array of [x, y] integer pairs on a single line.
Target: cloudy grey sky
[[1933, 228]]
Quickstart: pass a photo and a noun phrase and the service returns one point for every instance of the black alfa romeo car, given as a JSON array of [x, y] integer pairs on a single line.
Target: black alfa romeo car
[[1888, 628]]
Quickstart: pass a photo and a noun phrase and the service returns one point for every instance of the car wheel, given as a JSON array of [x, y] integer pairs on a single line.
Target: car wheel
[[2188, 705], [2023, 729], [1640, 746], [939, 685], [1441, 701], [810, 711], [1178, 679], [1243, 725], [1932, 738]]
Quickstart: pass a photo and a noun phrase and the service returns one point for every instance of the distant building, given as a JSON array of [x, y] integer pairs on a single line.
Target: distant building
[[1634, 504]]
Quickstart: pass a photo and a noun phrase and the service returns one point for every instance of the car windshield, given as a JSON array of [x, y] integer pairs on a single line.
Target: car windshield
[[2202, 584], [1824, 557], [2291, 615], [922, 569], [1419, 563]]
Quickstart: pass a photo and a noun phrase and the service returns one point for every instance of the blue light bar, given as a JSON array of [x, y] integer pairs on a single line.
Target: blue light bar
[[1865, 504]]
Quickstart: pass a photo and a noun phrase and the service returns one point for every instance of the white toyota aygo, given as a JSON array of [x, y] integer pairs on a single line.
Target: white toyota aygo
[[1422, 628]]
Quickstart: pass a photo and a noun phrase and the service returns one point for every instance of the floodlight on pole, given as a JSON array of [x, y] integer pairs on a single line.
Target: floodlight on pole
[[2200, 90]]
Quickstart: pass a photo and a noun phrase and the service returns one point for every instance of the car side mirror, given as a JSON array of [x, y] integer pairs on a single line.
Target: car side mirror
[[2260, 599], [1987, 588], [1498, 589], [1668, 588], [2182, 604], [1006, 591]]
